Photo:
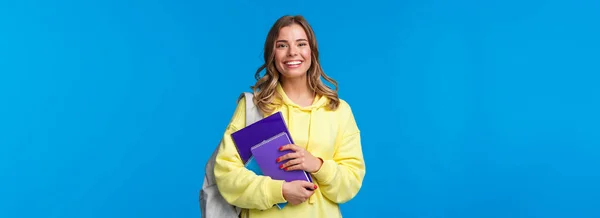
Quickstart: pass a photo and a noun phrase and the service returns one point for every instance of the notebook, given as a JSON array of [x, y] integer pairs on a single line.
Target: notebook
[[264, 156], [258, 132], [266, 153]]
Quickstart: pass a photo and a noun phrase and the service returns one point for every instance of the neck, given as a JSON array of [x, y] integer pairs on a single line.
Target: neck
[[298, 91]]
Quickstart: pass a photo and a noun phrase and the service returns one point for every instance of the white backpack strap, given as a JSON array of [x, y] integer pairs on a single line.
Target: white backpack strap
[[212, 203], [253, 114]]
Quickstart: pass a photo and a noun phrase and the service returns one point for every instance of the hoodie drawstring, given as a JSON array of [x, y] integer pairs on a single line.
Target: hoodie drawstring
[[293, 111]]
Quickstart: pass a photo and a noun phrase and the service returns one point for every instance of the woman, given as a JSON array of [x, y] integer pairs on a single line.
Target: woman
[[327, 138]]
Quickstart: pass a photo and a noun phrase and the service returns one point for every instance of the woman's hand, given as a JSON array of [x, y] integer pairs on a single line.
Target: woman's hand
[[298, 191], [300, 159]]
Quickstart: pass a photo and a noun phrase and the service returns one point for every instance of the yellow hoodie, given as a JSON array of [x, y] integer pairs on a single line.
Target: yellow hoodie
[[330, 135]]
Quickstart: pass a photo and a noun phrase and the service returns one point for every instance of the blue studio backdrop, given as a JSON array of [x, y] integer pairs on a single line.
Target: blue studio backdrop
[[467, 108]]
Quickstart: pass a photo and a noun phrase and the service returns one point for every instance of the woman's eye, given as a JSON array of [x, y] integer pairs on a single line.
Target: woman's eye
[[281, 46], [303, 44]]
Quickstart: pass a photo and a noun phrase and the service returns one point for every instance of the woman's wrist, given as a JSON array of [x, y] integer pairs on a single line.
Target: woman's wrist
[[319, 165]]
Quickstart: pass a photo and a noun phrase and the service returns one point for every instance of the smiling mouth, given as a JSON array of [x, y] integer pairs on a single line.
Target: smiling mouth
[[293, 64]]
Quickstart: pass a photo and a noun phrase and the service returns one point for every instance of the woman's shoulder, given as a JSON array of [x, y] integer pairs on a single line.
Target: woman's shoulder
[[346, 116], [344, 106], [239, 114]]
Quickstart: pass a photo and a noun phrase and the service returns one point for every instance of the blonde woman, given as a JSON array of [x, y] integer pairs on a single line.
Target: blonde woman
[[327, 138]]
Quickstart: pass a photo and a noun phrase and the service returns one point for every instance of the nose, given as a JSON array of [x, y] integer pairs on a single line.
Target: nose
[[293, 51]]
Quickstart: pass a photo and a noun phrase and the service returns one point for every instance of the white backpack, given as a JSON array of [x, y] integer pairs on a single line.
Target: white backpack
[[212, 204]]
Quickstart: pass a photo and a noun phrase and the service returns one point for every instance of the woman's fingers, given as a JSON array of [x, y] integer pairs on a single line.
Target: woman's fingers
[[290, 147], [291, 155], [294, 167], [298, 191], [296, 160], [292, 164]]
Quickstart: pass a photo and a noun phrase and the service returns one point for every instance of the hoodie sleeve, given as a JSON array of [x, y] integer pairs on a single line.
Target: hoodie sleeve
[[341, 178], [238, 185]]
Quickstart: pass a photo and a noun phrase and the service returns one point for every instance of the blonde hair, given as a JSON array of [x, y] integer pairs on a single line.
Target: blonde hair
[[265, 87]]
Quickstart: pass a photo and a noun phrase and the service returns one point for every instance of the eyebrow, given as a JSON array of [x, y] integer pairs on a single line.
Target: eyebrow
[[298, 40]]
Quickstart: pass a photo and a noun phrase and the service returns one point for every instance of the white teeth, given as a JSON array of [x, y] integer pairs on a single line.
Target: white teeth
[[293, 62]]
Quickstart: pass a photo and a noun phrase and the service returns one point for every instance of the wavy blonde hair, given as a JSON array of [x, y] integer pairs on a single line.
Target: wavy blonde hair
[[265, 87]]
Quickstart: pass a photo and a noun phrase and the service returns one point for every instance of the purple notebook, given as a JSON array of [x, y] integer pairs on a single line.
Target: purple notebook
[[258, 132], [266, 154]]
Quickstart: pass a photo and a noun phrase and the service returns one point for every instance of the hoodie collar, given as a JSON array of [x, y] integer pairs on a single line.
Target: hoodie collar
[[318, 102]]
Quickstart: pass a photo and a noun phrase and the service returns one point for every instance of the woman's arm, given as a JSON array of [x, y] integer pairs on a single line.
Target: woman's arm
[[238, 185], [341, 178]]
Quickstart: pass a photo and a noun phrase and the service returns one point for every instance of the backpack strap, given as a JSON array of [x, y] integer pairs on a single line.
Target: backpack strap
[[212, 203], [253, 114]]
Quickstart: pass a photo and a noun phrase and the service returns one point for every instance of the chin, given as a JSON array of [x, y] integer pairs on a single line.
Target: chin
[[293, 74]]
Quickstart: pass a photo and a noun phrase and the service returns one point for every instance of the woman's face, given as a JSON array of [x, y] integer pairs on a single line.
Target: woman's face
[[292, 52]]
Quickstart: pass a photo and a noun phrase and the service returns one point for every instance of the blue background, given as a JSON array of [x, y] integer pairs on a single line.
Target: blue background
[[467, 108]]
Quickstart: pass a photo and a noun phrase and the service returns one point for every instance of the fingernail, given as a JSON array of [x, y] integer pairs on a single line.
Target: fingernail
[[281, 166], [315, 187], [280, 148], [287, 168], [277, 159]]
